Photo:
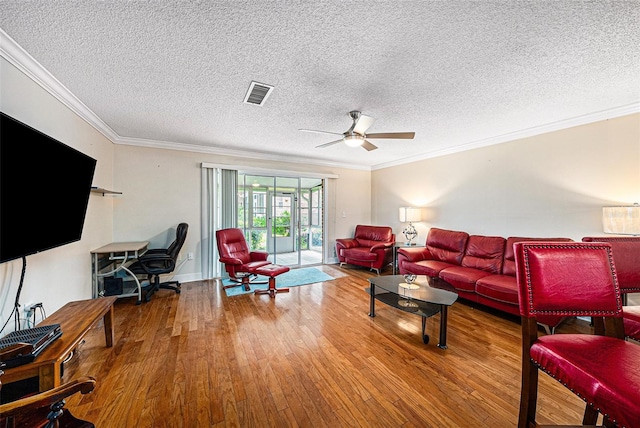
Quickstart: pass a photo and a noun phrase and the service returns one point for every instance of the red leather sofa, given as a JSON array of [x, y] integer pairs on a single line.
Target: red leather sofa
[[371, 247], [480, 268]]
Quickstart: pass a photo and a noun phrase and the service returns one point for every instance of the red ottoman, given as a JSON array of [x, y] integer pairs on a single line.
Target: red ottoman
[[271, 271]]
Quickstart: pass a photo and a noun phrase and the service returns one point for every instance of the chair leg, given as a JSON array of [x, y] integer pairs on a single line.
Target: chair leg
[[152, 288], [529, 396], [171, 285], [590, 416], [529, 388], [156, 285]]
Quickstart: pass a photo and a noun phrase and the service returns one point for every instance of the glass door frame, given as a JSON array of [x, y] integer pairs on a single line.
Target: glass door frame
[[256, 228]]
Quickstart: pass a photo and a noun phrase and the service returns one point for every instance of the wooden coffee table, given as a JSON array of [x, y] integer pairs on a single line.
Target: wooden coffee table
[[75, 319], [420, 299]]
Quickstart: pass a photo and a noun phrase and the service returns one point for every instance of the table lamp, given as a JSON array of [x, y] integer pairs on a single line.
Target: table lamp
[[409, 214], [622, 220]]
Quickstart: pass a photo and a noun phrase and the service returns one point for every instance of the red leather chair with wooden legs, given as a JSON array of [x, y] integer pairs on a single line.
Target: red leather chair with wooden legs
[[626, 256], [576, 279], [239, 262]]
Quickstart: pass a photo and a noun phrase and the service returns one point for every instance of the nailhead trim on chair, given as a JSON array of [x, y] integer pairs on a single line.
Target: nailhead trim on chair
[[537, 364], [569, 313]]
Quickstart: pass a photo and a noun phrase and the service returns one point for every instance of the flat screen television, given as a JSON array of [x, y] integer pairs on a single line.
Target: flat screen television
[[44, 190]]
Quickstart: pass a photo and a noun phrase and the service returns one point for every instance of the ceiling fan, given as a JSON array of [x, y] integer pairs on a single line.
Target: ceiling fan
[[357, 136]]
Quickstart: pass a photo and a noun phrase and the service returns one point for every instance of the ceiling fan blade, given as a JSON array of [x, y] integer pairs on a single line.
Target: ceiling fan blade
[[364, 122], [321, 146], [368, 146], [396, 135], [320, 132]]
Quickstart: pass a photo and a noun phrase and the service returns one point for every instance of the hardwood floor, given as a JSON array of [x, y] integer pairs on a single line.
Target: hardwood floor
[[309, 358]]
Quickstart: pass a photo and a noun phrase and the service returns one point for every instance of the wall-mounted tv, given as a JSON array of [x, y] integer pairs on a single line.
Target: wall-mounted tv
[[44, 190]]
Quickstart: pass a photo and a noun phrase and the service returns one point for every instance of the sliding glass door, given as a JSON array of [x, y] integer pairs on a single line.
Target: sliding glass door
[[283, 216]]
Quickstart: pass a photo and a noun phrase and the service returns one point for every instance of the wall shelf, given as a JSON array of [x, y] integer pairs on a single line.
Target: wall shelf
[[104, 191]]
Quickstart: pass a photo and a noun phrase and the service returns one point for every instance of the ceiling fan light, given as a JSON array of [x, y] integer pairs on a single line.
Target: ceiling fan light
[[353, 140]]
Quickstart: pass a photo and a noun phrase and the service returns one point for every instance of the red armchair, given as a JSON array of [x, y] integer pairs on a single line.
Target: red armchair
[[576, 279], [371, 247], [239, 262]]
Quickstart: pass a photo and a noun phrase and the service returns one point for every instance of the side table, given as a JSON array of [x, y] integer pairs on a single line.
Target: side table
[[76, 319]]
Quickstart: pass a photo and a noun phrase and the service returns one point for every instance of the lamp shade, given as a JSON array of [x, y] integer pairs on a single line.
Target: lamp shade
[[410, 214], [623, 220]]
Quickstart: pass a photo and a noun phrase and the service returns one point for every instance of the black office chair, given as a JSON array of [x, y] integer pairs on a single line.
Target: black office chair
[[160, 261]]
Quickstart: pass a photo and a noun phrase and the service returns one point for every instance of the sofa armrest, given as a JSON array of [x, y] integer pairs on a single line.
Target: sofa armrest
[[415, 254], [381, 246], [347, 242]]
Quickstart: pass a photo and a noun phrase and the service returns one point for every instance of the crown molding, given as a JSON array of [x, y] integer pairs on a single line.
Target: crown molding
[[23, 61], [525, 133], [221, 151]]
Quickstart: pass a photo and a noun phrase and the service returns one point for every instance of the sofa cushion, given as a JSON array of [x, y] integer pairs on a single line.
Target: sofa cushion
[[368, 236], [462, 278], [485, 253], [502, 288], [359, 253], [424, 267], [447, 245]]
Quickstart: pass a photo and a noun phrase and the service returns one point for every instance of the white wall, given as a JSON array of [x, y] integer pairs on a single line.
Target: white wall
[[161, 188], [553, 184], [60, 275]]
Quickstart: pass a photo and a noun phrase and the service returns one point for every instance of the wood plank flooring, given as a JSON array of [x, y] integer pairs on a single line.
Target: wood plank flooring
[[308, 358]]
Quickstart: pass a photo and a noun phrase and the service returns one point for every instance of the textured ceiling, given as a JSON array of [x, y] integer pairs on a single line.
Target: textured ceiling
[[458, 73]]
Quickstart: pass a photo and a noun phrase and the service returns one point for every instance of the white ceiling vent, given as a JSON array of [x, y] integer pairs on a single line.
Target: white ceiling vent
[[257, 93]]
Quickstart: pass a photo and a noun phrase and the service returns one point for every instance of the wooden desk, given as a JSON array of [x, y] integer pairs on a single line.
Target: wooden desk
[[112, 258], [75, 319]]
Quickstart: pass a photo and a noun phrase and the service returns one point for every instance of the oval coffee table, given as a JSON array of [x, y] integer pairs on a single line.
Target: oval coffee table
[[419, 298]]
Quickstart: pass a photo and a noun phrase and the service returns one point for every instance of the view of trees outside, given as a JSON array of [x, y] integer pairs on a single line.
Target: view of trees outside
[[253, 214]]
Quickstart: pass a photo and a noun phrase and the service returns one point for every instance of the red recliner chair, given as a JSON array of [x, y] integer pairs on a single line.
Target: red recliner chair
[[576, 279], [239, 262], [371, 247]]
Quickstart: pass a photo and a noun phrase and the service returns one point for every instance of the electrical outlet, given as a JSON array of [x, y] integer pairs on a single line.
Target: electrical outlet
[[31, 307], [189, 256]]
